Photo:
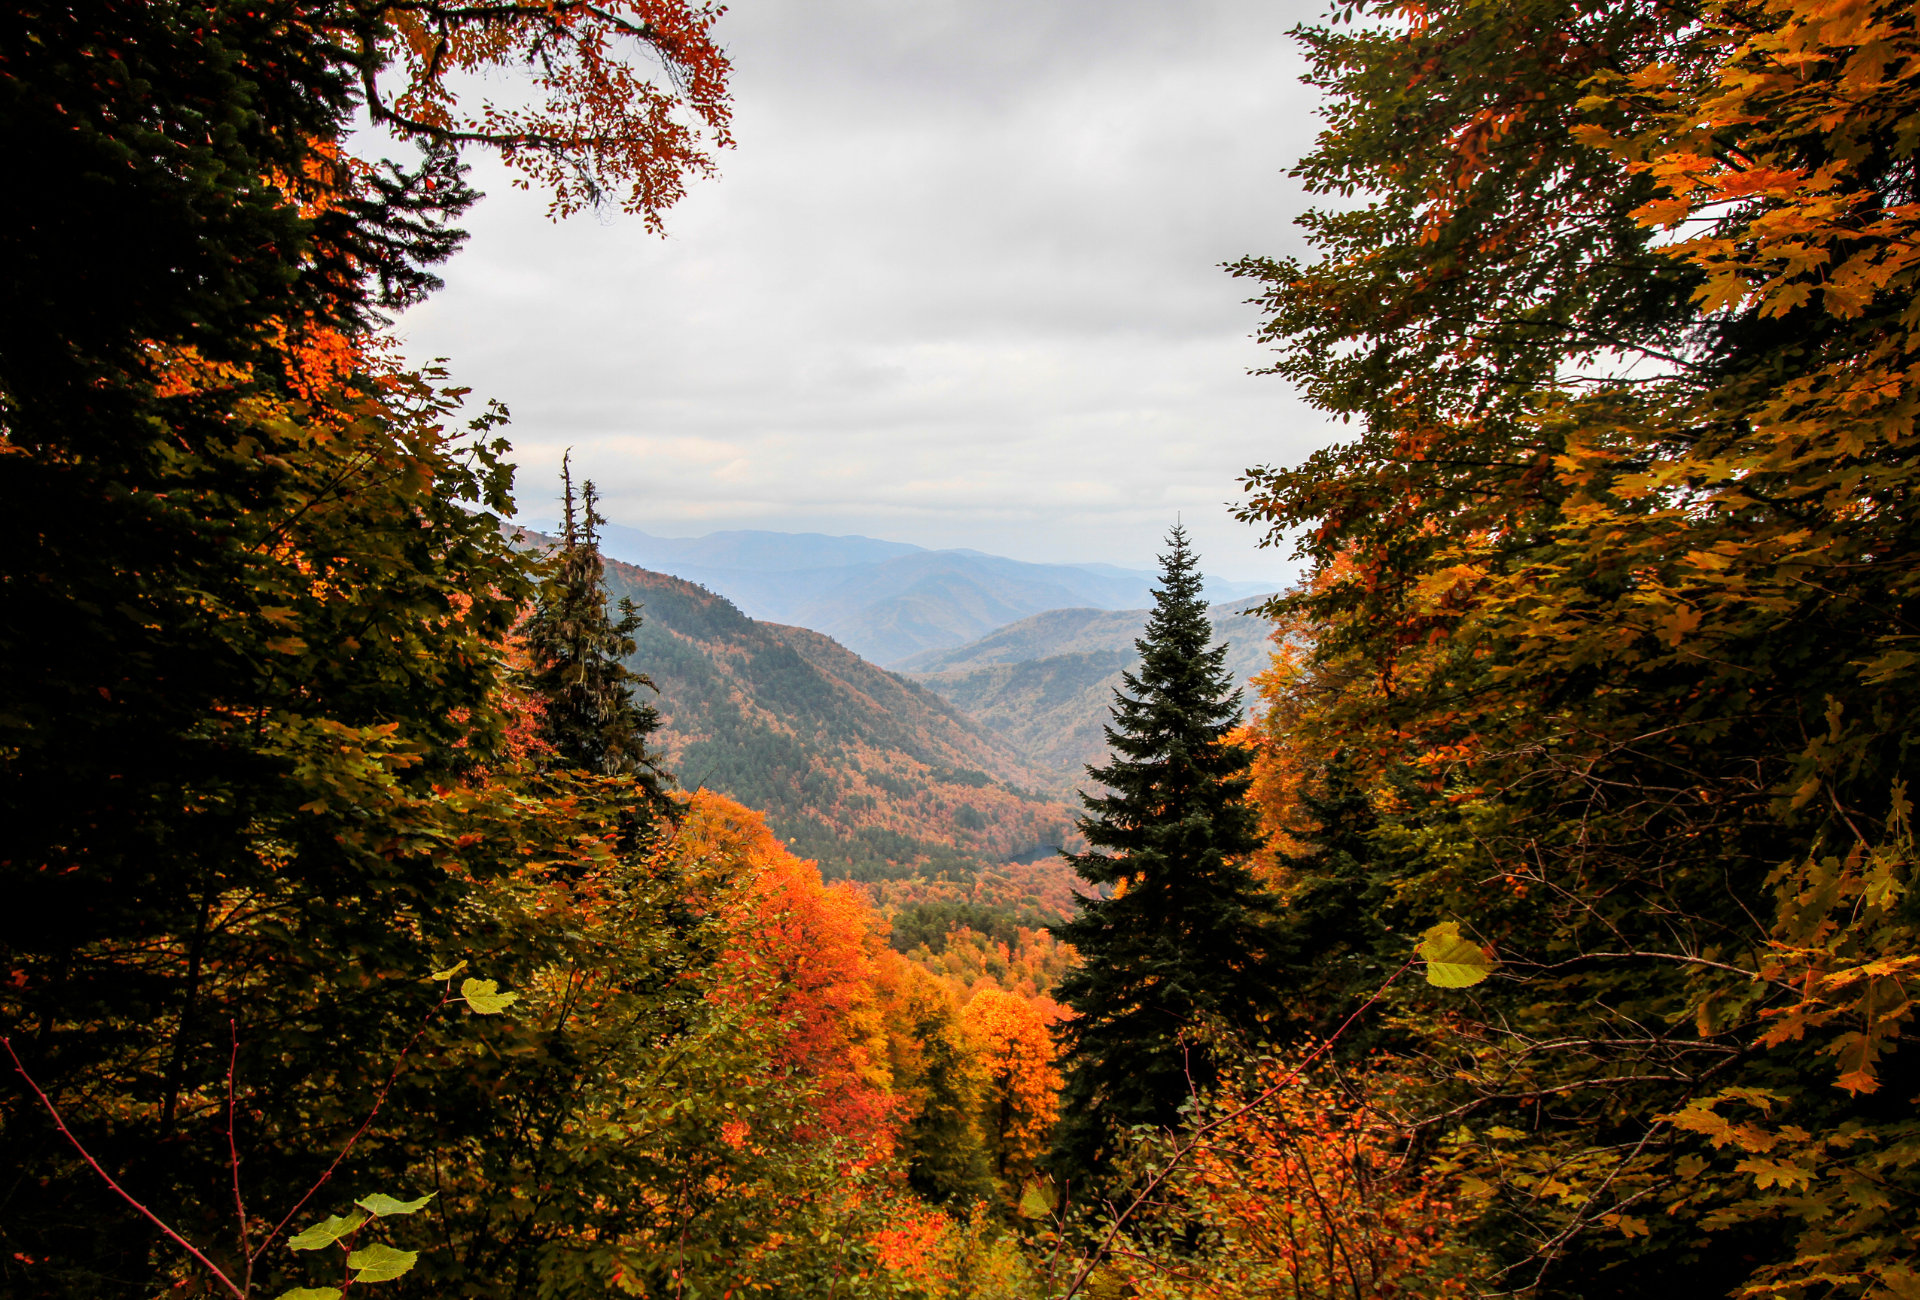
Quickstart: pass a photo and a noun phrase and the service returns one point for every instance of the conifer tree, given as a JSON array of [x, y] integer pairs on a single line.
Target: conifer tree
[[591, 718], [1176, 950]]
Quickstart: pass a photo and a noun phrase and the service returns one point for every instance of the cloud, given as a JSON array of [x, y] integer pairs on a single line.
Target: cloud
[[958, 285]]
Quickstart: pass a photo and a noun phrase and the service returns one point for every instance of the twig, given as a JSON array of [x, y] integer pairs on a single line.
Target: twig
[[241, 1290], [233, 1158], [378, 1102], [107, 1178]]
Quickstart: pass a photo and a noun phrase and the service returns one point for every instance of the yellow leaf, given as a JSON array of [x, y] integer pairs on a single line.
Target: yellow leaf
[[1453, 960], [1728, 290], [1772, 1173], [483, 996]]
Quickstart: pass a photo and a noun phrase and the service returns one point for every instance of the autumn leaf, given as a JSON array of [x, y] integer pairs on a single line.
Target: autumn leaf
[[1038, 1199], [483, 997], [382, 1205], [1453, 960], [1775, 1173]]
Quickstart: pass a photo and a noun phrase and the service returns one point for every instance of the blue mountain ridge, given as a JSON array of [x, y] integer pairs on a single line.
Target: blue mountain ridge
[[885, 601]]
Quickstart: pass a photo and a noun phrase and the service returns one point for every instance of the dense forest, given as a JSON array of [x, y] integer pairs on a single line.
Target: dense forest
[[865, 773], [1045, 684], [395, 901]]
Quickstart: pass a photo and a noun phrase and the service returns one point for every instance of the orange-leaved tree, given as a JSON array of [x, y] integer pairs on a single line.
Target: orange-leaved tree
[[804, 956], [253, 762], [1611, 617], [1314, 1193], [1020, 1099]]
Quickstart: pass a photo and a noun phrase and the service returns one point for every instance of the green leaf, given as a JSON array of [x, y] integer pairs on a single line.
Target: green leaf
[[328, 1231], [1453, 960], [382, 1205], [450, 971], [481, 995], [311, 1293], [1038, 1200], [380, 1263]]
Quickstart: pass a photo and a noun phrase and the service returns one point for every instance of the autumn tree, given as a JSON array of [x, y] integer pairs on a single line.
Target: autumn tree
[[254, 592], [1285, 1186], [1608, 612], [704, 1103], [1173, 949], [1020, 1097], [939, 1075]]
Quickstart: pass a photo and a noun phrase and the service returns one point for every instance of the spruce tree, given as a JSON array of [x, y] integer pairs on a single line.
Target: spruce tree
[[591, 719], [1175, 945]]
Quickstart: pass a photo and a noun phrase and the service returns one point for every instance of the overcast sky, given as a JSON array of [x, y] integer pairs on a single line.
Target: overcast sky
[[958, 285]]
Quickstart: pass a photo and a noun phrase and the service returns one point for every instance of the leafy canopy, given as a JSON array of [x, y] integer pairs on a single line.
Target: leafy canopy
[[1609, 617]]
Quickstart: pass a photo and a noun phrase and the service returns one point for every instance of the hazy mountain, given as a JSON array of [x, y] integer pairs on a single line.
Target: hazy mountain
[[857, 767], [939, 598], [1045, 684], [883, 600], [750, 550]]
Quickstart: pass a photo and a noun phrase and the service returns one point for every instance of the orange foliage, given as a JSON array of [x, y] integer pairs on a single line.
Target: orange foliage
[[1045, 887], [525, 711], [810, 950], [912, 1246], [1022, 1085], [1027, 968], [808, 957], [600, 124], [1307, 1195], [1279, 779]]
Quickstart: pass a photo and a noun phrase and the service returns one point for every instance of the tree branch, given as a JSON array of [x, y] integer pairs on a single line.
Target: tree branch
[[107, 1178]]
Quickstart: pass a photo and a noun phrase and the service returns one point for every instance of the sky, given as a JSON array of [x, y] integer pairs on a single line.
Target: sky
[[958, 285]]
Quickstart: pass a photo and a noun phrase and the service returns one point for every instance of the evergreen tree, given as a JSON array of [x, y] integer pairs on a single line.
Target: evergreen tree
[[1177, 949], [591, 718]]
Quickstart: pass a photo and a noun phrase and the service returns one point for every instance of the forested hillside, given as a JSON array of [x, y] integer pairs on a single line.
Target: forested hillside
[[1045, 684], [870, 775], [394, 900], [859, 769], [882, 600]]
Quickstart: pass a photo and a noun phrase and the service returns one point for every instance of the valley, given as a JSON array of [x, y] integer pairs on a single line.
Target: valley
[[885, 601], [868, 773], [1043, 685], [946, 788]]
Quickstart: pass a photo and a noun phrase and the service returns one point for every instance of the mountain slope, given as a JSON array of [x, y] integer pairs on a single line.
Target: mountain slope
[[887, 611], [863, 770], [883, 600], [748, 550], [1045, 684]]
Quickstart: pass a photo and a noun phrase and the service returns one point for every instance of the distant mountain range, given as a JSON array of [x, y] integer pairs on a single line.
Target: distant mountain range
[[885, 601], [1045, 684], [866, 772], [947, 787]]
